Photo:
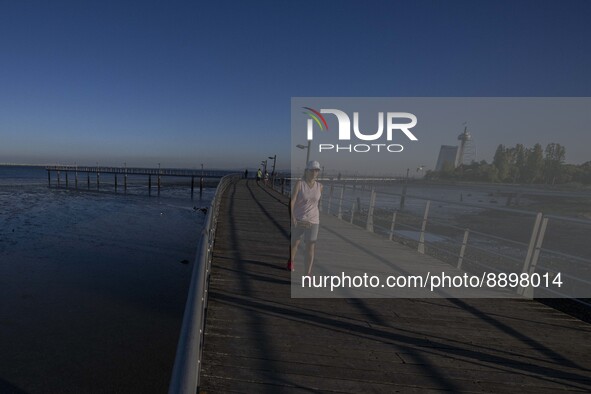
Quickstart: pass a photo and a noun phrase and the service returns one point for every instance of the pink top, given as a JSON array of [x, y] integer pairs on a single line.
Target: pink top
[[306, 205]]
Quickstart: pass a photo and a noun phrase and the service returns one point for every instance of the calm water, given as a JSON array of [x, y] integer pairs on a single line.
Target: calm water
[[92, 287]]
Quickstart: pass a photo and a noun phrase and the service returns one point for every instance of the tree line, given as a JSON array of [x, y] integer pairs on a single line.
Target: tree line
[[519, 164]]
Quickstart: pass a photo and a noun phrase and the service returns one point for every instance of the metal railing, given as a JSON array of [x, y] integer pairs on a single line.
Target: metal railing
[[400, 214], [279, 183], [187, 363]]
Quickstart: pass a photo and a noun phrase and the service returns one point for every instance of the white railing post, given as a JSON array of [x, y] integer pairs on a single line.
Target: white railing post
[[330, 199], [340, 215], [392, 225], [403, 196], [372, 203], [421, 247], [463, 248], [529, 291], [352, 211], [530, 249]]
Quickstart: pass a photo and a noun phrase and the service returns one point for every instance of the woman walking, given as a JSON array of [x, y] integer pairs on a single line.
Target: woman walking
[[305, 215]]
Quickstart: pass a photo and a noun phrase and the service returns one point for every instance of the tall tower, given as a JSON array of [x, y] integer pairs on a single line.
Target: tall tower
[[467, 151]]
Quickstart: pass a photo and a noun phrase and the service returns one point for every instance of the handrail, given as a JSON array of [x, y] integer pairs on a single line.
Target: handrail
[[534, 247], [187, 363]]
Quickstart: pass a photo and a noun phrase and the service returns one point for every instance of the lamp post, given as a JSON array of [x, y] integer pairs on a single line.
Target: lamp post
[[264, 164], [421, 168], [274, 157], [308, 152]]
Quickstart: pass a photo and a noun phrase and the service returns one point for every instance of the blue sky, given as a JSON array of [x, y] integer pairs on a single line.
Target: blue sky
[[185, 83]]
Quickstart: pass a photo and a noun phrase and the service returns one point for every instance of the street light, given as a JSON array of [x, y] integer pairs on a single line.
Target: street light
[[274, 157], [421, 168], [307, 153], [264, 164]]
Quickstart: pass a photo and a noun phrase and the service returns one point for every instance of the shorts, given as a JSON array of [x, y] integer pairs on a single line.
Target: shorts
[[307, 229]]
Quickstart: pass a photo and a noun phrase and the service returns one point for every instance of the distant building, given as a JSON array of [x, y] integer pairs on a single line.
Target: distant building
[[447, 153], [467, 152]]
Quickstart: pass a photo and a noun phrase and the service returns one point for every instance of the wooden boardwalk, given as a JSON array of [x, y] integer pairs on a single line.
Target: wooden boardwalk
[[260, 340]]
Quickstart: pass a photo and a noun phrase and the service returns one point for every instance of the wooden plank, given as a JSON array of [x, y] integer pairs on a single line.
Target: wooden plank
[[259, 339]]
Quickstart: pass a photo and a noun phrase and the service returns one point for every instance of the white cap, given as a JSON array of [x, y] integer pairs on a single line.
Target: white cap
[[313, 165]]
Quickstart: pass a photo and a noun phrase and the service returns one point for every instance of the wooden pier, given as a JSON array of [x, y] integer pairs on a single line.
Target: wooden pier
[[124, 172], [260, 340]]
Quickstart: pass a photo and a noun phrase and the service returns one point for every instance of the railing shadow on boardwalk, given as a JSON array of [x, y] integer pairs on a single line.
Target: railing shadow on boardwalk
[[284, 231], [477, 313], [245, 283], [408, 343], [248, 280], [318, 313]]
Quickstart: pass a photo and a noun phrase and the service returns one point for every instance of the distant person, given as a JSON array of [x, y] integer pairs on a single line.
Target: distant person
[[259, 175], [246, 174], [266, 178], [305, 215]]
